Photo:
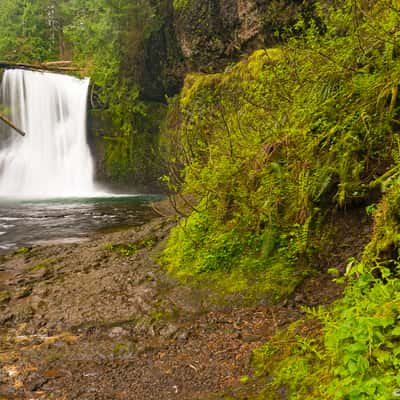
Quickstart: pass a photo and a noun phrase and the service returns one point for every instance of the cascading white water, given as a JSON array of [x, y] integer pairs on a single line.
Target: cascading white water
[[53, 159]]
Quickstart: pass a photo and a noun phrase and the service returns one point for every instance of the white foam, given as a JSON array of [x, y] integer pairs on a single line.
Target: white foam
[[53, 159]]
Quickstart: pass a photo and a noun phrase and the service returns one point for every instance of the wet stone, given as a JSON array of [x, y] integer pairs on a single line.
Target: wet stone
[[4, 297], [35, 381], [117, 332], [23, 292], [183, 337], [169, 331]]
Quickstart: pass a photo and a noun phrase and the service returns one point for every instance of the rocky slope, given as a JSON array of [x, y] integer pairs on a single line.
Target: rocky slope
[[102, 320]]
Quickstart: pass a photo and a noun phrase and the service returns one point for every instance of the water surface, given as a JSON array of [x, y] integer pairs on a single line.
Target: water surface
[[30, 222]]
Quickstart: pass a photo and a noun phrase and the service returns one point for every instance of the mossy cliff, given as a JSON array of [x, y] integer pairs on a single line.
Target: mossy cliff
[[166, 41], [207, 36], [265, 153]]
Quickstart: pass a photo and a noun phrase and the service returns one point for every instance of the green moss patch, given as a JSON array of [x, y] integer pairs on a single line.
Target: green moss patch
[[133, 248]]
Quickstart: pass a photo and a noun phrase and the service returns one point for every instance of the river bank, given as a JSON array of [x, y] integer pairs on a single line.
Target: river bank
[[101, 320]]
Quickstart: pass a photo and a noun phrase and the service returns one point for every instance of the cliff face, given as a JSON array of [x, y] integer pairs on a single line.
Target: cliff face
[[215, 32], [189, 36], [162, 68], [208, 35]]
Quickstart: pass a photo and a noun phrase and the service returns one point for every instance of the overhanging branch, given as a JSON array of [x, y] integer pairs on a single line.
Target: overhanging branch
[[10, 124]]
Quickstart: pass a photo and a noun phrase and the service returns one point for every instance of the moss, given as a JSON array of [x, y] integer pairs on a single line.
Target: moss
[[121, 349], [42, 265], [180, 4], [385, 244], [266, 149], [23, 250], [133, 248], [268, 146], [164, 315]]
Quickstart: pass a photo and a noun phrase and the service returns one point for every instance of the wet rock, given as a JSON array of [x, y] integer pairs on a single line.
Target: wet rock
[[42, 292], [35, 381], [251, 338], [3, 377], [143, 304], [169, 331], [24, 314], [143, 348], [6, 317], [5, 297], [166, 340], [117, 332], [299, 298], [185, 299], [35, 302], [23, 292], [183, 337], [151, 276], [151, 332]]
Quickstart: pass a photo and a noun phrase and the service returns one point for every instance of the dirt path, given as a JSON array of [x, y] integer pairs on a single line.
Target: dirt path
[[100, 320]]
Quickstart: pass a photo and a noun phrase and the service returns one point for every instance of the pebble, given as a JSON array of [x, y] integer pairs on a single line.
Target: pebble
[[117, 331], [183, 337], [169, 331]]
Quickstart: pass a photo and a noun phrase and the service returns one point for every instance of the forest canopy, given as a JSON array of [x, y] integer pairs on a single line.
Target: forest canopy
[[106, 40], [103, 37]]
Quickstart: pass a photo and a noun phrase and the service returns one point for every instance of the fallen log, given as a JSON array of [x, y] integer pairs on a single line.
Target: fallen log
[[11, 125], [60, 63], [50, 67]]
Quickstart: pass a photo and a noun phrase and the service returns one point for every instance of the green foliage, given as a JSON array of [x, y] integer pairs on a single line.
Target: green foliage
[[29, 30], [275, 140], [356, 354], [134, 152], [107, 39], [350, 350], [362, 336]]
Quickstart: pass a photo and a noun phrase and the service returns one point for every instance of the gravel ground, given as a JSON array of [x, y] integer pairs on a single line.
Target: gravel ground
[[83, 321]]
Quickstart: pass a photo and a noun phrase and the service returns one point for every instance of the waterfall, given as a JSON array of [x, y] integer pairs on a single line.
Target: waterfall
[[53, 159]]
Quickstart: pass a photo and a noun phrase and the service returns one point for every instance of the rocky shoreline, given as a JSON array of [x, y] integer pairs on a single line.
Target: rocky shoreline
[[101, 320]]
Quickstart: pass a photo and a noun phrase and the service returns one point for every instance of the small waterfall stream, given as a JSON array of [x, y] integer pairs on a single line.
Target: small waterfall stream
[[53, 159]]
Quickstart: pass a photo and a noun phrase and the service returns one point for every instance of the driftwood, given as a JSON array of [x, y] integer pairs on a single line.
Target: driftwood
[[10, 124], [56, 66], [63, 63]]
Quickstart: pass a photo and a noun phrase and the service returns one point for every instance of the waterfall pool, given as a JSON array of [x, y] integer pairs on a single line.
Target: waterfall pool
[[54, 165], [45, 221]]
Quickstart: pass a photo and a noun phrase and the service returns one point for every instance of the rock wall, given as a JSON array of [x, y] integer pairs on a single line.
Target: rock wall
[[208, 35]]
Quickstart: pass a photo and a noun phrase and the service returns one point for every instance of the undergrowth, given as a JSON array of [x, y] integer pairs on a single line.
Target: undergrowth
[[266, 149], [350, 350], [269, 146]]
